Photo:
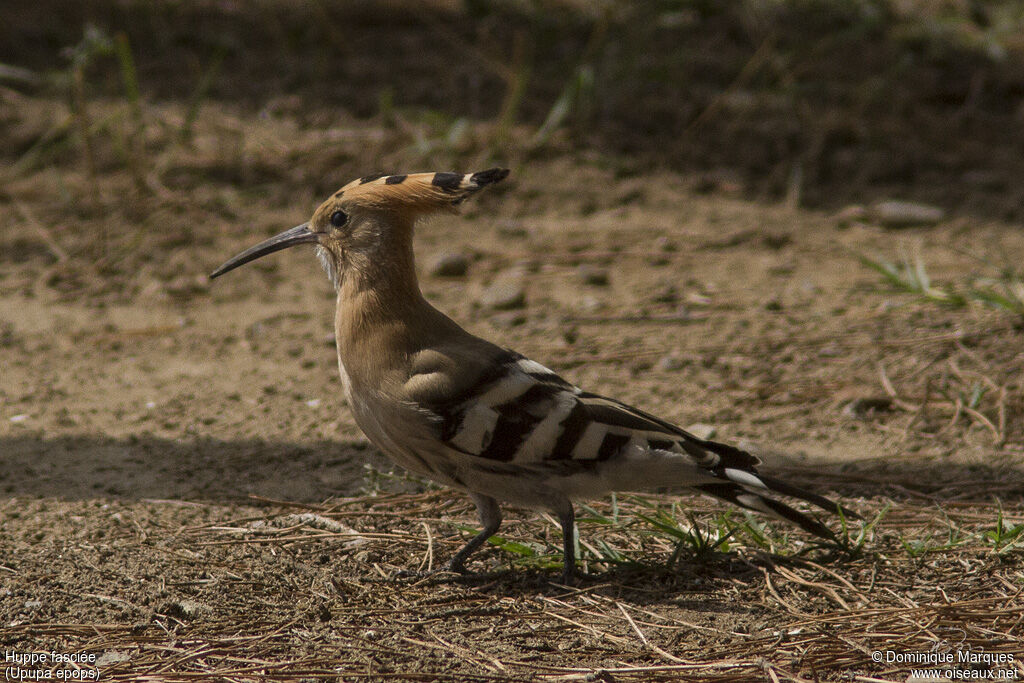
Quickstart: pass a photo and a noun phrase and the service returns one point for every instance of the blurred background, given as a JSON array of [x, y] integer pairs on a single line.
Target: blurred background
[[824, 103]]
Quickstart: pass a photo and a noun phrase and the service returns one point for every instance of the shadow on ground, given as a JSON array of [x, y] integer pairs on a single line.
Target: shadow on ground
[[148, 467]]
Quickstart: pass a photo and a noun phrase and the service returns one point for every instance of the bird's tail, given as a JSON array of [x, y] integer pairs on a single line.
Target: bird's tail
[[747, 490]]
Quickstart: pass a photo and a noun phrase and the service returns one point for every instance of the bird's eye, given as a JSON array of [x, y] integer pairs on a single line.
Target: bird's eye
[[338, 218]]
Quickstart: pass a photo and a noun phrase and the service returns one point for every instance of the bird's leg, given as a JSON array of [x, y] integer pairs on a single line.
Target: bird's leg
[[490, 518], [567, 518]]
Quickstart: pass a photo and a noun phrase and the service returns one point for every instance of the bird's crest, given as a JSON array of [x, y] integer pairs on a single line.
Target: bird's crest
[[418, 192]]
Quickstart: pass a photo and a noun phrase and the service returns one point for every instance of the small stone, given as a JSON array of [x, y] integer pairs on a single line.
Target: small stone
[[111, 657], [589, 304], [900, 214], [184, 609], [593, 275], [669, 364], [698, 299], [702, 430], [450, 264], [503, 295]]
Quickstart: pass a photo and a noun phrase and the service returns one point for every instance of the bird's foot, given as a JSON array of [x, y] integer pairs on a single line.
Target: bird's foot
[[575, 577], [570, 577], [456, 566]]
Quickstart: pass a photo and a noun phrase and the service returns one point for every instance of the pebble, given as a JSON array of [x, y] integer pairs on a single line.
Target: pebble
[[316, 521], [450, 264], [698, 299], [184, 609], [669, 364], [900, 214], [589, 304], [112, 657], [503, 295]]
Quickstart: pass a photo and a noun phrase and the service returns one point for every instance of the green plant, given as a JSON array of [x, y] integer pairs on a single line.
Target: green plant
[[912, 278], [201, 92], [852, 545], [702, 540], [954, 538], [94, 44], [1004, 291], [132, 143], [1004, 536]]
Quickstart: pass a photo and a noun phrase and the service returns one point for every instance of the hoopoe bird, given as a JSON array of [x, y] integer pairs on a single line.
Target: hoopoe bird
[[477, 417]]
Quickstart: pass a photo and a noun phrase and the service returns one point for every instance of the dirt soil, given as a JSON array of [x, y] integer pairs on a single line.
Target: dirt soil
[[184, 494]]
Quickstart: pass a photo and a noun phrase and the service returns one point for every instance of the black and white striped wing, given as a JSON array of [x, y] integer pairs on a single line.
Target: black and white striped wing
[[523, 413]]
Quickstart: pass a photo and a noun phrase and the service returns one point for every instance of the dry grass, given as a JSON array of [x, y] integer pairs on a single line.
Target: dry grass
[[922, 578]]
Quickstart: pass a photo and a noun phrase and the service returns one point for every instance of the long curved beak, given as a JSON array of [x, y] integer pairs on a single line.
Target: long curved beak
[[300, 234]]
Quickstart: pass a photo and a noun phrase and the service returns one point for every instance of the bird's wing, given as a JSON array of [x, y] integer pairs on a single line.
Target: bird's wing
[[515, 411]]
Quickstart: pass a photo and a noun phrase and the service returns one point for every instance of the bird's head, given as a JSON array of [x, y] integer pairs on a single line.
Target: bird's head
[[366, 221]]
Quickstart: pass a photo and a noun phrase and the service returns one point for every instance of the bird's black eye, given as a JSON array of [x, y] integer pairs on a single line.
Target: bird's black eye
[[338, 218]]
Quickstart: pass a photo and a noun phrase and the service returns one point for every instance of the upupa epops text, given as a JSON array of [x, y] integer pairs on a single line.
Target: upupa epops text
[[477, 417]]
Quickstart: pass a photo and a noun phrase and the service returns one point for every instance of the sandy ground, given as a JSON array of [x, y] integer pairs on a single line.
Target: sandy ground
[[138, 434], [186, 496]]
